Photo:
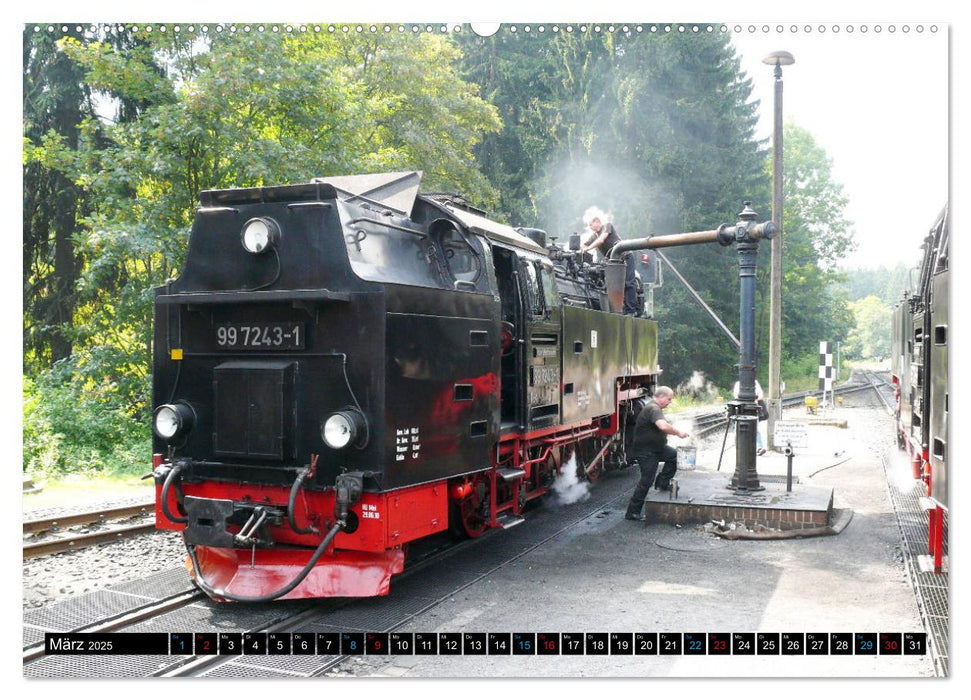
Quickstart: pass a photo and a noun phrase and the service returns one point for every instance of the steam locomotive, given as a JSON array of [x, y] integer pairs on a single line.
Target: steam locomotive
[[919, 374], [346, 366]]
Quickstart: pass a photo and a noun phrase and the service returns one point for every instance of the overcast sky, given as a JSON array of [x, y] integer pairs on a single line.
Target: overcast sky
[[878, 104]]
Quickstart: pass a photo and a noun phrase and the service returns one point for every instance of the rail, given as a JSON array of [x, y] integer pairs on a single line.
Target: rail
[[54, 542]]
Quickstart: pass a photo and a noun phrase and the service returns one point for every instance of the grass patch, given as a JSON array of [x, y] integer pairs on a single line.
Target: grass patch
[[84, 489]]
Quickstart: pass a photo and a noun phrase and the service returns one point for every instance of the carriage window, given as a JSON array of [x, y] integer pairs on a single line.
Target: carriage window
[[549, 286], [532, 285], [462, 261]]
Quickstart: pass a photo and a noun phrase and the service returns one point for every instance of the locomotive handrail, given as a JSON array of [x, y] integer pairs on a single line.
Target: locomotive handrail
[[385, 224], [257, 296]]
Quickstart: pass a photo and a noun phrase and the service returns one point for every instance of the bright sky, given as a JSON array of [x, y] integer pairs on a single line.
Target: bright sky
[[878, 104]]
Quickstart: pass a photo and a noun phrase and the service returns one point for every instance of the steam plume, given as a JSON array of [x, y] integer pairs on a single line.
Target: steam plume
[[568, 488]]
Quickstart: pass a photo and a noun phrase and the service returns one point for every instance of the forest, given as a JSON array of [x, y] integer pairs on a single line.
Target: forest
[[124, 126]]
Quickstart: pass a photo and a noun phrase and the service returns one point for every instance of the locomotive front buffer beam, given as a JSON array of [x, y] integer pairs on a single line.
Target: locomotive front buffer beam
[[745, 234]]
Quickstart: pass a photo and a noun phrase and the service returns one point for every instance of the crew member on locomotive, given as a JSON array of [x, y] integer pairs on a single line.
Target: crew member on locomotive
[[605, 239], [650, 448]]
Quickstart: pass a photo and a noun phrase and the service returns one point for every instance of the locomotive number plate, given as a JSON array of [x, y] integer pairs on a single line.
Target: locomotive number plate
[[258, 336]]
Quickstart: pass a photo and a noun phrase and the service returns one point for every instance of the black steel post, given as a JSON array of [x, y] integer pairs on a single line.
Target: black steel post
[[788, 467], [744, 410], [745, 407]]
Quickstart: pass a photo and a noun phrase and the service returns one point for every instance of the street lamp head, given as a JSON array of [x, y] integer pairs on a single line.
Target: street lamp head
[[779, 58]]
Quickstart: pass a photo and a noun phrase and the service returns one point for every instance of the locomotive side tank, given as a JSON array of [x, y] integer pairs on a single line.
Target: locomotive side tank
[[345, 366]]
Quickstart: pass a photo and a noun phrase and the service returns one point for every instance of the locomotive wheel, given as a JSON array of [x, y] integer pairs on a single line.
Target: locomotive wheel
[[468, 516]]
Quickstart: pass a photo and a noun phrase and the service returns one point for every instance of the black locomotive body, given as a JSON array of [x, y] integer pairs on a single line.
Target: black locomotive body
[[346, 366], [919, 360]]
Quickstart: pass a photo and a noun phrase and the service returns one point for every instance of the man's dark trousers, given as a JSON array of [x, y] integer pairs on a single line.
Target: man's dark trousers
[[648, 461]]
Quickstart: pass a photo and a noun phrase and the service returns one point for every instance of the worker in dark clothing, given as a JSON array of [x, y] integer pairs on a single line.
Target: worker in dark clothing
[[651, 447], [605, 238]]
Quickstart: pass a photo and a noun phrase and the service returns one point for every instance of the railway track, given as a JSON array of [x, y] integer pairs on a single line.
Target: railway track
[[883, 389], [198, 665], [128, 618], [706, 423], [45, 536], [444, 569]]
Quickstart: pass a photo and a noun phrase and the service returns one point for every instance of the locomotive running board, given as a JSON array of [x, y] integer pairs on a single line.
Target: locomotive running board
[[508, 520], [340, 574]]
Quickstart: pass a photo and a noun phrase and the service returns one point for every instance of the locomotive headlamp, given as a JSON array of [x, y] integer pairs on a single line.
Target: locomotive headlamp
[[343, 428], [173, 420], [259, 234]]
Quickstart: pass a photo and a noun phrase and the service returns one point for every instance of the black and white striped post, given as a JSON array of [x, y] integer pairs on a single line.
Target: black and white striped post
[[826, 370]]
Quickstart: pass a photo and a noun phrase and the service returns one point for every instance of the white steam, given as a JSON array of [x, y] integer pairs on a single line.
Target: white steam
[[902, 472], [569, 184], [567, 488], [697, 387]]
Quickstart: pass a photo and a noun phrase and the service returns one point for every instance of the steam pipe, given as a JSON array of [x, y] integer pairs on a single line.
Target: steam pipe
[[675, 239], [723, 235]]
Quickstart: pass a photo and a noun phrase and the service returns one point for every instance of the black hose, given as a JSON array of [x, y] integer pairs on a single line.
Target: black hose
[[169, 480], [210, 591], [292, 503], [275, 277], [842, 461]]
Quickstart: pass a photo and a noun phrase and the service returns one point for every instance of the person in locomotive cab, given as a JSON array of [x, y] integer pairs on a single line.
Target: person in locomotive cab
[[604, 239], [651, 447]]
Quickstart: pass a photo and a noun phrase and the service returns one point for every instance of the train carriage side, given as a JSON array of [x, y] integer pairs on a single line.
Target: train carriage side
[[938, 361], [939, 405], [920, 376], [900, 369]]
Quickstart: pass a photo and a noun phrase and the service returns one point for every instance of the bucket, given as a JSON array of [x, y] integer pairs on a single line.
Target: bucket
[[687, 457]]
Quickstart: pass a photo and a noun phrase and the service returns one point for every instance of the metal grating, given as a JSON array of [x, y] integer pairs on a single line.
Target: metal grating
[[240, 670], [161, 585], [32, 636], [208, 616], [82, 610], [95, 666], [932, 590], [301, 666]]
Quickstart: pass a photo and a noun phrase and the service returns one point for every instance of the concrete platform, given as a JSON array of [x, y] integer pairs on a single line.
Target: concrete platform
[[704, 496]]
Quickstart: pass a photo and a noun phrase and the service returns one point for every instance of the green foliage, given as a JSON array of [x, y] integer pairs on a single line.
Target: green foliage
[[80, 427], [656, 128], [887, 284], [801, 373], [816, 237], [870, 338], [193, 114], [644, 126], [56, 101]]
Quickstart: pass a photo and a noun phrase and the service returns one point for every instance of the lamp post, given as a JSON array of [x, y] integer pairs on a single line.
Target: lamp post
[[774, 399]]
